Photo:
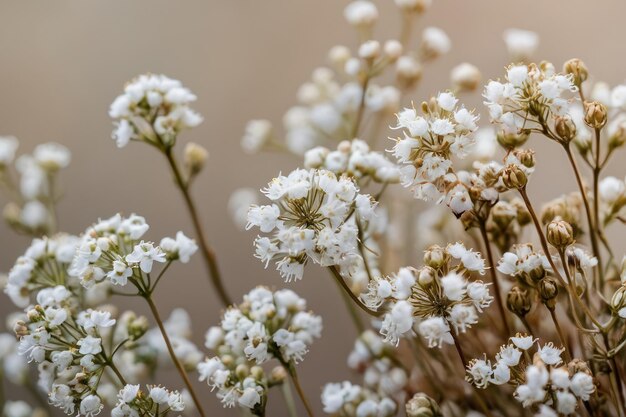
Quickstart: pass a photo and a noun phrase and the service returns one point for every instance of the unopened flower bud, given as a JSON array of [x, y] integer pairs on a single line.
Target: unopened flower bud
[[518, 301], [257, 372], [242, 371], [20, 328], [465, 77], [11, 214], [435, 257], [278, 375], [512, 140], [503, 214], [421, 405], [195, 157], [578, 365], [578, 69], [408, 71], [548, 290], [618, 301], [137, 327], [560, 234], [565, 127], [514, 177], [595, 114], [339, 55], [369, 50], [393, 49], [618, 137], [426, 277], [526, 157], [35, 314]]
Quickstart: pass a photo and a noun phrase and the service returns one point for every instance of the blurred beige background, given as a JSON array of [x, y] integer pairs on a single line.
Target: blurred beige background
[[63, 62]]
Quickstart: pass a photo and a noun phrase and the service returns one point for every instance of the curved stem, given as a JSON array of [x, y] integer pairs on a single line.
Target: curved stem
[[296, 383], [590, 220], [559, 331], [207, 252], [494, 278], [168, 343], [349, 292]]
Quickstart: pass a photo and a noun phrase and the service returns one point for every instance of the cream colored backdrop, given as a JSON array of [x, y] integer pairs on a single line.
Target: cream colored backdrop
[[63, 62]]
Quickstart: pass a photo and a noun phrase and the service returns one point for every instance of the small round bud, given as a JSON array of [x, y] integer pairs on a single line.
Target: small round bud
[[435, 257], [393, 49], [20, 328], [565, 128], [242, 371], [426, 276], [361, 14], [137, 327], [523, 215], [408, 71], [339, 55], [577, 69], [514, 177], [421, 405], [195, 157], [518, 301], [512, 140], [11, 214], [548, 290], [465, 77], [257, 372], [526, 157], [369, 50], [352, 67], [278, 375], [595, 114], [618, 301], [560, 234]]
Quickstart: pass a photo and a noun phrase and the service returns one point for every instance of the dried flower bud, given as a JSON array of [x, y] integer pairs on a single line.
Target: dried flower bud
[[278, 375], [560, 234], [421, 405], [578, 69], [618, 301], [548, 291], [578, 365], [595, 114], [369, 50], [618, 138], [512, 140], [393, 49], [565, 127], [518, 301], [503, 214], [339, 55], [465, 77], [426, 277], [20, 328], [11, 214], [514, 177], [435, 257], [195, 157], [526, 157]]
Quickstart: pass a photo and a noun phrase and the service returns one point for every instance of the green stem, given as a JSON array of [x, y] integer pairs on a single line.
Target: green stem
[[168, 343], [291, 405], [207, 252], [296, 383]]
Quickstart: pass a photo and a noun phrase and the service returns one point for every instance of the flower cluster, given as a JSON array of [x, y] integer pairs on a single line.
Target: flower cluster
[[436, 298], [33, 197], [267, 325], [347, 400], [314, 215], [531, 97], [155, 401], [354, 159], [338, 97], [153, 108], [429, 143], [544, 382]]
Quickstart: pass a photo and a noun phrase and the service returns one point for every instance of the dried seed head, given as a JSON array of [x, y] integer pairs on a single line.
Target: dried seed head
[[548, 291], [421, 405], [518, 301], [565, 128], [512, 140], [195, 157], [435, 257], [513, 177], [595, 114], [577, 69], [560, 234]]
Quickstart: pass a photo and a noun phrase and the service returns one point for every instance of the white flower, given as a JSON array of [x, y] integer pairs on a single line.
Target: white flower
[[471, 260], [335, 396], [521, 44], [436, 331], [533, 390], [447, 101], [361, 13], [582, 385], [181, 248], [480, 373], [454, 285], [264, 217], [523, 342], [565, 402], [501, 373], [257, 134], [509, 355], [611, 190], [120, 273], [8, 146], [435, 41], [397, 322], [145, 254], [550, 354], [91, 406], [34, 214], [52, 156], [128, 393], [462, 317], [90, 345], [249, 398]]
